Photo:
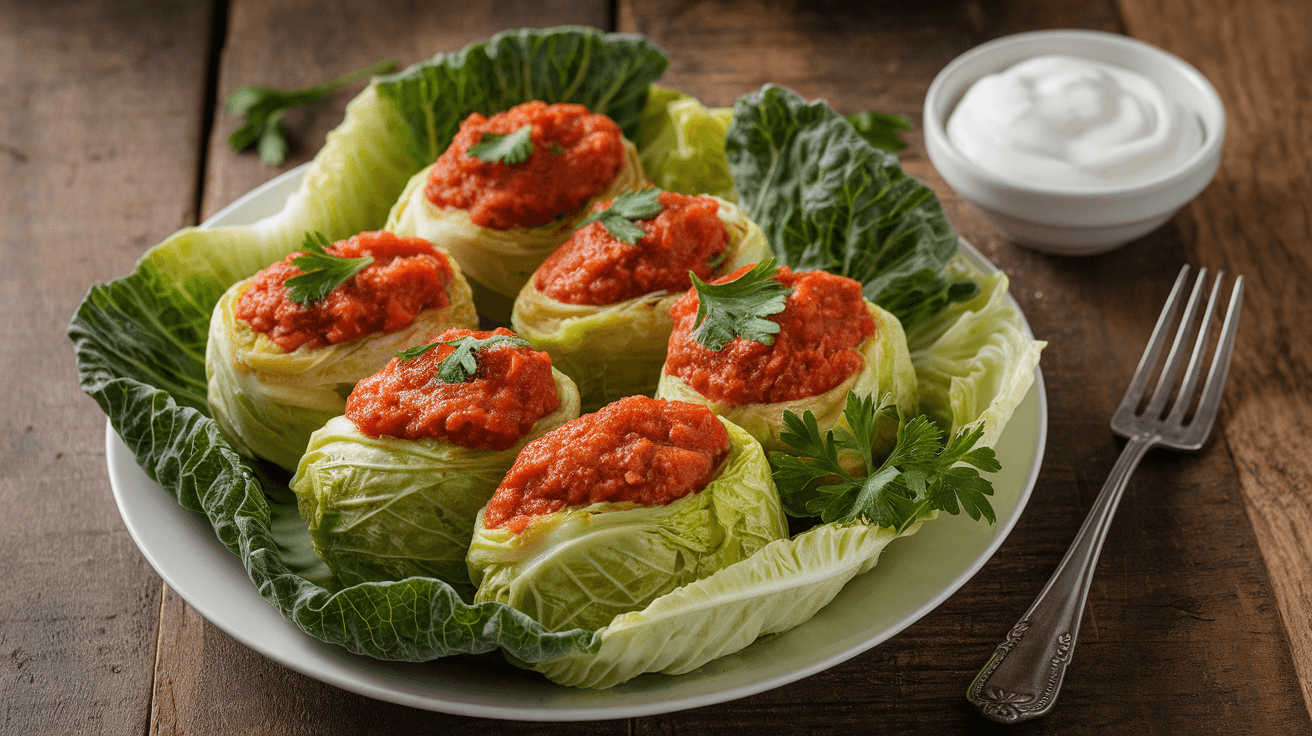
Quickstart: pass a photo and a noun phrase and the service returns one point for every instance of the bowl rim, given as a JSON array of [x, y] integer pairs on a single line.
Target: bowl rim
[[935, 125]]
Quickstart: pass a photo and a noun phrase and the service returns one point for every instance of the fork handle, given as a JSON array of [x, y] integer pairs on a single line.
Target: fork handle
[[1022, 678]]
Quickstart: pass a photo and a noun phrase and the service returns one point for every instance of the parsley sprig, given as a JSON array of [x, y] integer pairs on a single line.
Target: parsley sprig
[[462, 364], [918, 475], [619, 217], [321, 272], [265, 106], [508, 148], [739, 307]]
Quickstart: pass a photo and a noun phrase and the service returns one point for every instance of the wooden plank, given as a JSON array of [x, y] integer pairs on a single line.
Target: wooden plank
[[99, 146], [1254, 219], [1181, 633], [207, 683]]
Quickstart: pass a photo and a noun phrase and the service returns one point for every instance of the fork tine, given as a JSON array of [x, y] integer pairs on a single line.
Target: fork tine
[[1173, 358], [1185, 397], [1134, 393], [1211, 398]]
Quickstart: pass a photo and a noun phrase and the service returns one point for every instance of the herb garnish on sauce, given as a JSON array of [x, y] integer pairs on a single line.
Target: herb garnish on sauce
[[619, 217], [461, 365], [507, 148], [321, 272], [739, 307]]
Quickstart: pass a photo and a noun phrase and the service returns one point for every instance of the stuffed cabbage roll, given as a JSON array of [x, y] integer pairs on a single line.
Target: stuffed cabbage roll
[[764, 341], [620, 507], [600, 304], [391, 489], [287, 345], [511, 188]]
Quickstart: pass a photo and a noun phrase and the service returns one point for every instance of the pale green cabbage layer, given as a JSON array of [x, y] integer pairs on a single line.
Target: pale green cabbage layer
[[886, 370], [581, 567], [975, 360], [682, 144], [617, 350], [781, 586], [383, 508]]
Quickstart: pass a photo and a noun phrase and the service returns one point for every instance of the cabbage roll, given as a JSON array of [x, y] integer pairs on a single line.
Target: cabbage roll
[[281, 358], [391, 489], [600, 304], [620, 507]]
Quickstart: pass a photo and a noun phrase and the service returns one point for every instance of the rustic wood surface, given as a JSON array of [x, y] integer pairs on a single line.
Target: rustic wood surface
[[99, 154], [1198, 619]]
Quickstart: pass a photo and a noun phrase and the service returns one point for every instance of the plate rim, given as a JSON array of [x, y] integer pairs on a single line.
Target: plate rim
[[117, 453]]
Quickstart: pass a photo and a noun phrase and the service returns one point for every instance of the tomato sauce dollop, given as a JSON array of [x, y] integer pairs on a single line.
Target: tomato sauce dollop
[[641, 450], [576, 156], [511, 391], [824, 319], [408, 275], [593, 267]]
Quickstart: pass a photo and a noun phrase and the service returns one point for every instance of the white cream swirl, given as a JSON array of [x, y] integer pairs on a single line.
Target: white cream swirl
[[1072, 122]]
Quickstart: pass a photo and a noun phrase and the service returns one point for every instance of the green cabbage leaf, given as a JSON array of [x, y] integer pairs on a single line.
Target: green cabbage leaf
[[682, 144], [974, 360], [609, 73], [828, 199], [781, 586]]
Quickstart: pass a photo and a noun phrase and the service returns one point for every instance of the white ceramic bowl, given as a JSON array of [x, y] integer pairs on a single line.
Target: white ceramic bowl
[[1075, 221]]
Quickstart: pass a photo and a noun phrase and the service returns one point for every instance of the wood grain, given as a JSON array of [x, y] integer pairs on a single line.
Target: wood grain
[[99, 146], [1255, 220]]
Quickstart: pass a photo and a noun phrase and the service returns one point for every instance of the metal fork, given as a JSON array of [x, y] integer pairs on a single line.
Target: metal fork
[[1021, 680]]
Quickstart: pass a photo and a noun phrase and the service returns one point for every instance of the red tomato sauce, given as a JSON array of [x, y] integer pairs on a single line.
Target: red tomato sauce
[[641, 450], [576, 156], [593, 267], [824, 319], [511, 391], [408, 275]]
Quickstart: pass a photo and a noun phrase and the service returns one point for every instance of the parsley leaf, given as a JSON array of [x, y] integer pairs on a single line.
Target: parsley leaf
[[461, 365], [618, 218], [508, 148], [919, 474], [739, 307], [321, 272], [264, 107]]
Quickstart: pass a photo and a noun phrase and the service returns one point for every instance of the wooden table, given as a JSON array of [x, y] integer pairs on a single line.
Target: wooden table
[[112, 137]]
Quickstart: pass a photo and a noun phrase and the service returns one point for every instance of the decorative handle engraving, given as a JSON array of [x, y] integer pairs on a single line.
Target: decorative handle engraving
[[1022, 678], [1005, 706]]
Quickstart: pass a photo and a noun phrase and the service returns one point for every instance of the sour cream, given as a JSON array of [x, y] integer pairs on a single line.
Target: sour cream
[[1073, 123]]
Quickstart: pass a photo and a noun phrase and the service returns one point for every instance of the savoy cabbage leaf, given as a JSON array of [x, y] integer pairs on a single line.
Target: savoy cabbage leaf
[[828, 199]]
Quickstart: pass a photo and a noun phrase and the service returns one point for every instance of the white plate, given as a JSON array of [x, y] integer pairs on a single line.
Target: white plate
[[913, 577]]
